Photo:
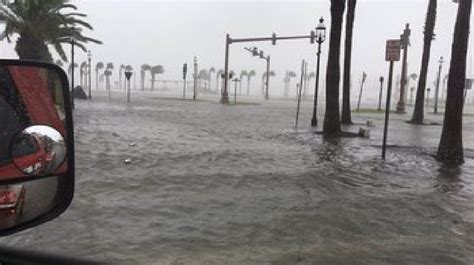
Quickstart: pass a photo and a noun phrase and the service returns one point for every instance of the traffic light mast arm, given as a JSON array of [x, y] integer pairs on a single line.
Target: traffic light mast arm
[[271, 38]]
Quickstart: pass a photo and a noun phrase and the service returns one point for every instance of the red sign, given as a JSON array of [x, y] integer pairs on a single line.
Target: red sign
[[392, 52]]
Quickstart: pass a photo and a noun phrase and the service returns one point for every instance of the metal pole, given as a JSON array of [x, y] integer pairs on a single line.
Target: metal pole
[[300, 86], [184, 88], [360, 93], [380, 93], [438, 81], [314, 121], [90, 78], [72, 73], [387, 110], [268, 78], [225, 95]]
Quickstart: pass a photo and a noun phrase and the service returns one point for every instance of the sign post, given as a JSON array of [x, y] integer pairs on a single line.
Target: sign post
[[392, 55]]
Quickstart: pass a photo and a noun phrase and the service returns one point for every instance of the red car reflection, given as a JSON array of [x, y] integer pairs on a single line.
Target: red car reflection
[[39, 156], [12, 202]]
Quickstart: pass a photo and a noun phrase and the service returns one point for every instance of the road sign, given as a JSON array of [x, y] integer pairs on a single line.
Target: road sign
[[392, 53]]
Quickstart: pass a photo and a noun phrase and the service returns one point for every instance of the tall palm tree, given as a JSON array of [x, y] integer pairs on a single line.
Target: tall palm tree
[[218, 75], [287, 80], [82, 73], [418, 113], [99, 66], [42, 23], [144, 68], [155, 70], [450, 148], [203, 75], [108, 73], [250, 74], [346, 86], [332, 122], [242, 74], [212, 70], [121, 69]]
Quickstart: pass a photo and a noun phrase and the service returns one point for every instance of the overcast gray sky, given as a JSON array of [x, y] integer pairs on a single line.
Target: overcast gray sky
[[170, 33]]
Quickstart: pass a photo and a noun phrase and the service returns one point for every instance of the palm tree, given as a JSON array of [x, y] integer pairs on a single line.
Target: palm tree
[[82, 72], [42, 23], [144, 68], [212, 70], [99, 66], [203, 75], [450, 148], [418, 113], [157, 69], [121, 69], [242, 74], [332, 122], [108, 73], [218, 75], [287, 80], [346, 87], [250, 74]]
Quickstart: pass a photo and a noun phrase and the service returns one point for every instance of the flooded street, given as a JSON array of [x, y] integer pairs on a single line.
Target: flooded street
[[216, 184]]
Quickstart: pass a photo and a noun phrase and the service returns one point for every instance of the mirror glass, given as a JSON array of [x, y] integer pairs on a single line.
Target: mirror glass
[[32, 119], [38, 150], [22, 202]]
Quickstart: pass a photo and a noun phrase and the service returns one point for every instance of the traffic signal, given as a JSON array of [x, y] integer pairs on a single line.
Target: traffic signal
[[185, 70], [312, 37]]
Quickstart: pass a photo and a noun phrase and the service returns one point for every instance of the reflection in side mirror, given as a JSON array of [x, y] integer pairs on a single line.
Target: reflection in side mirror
[[22, 202], [36, 144], [32, 97], [39, 150]]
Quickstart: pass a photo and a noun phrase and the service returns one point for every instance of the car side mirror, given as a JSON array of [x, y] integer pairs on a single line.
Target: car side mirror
[[36, 144]]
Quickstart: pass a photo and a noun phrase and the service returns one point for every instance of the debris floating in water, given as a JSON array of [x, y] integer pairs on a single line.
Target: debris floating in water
[[127, 161], [132, 144]]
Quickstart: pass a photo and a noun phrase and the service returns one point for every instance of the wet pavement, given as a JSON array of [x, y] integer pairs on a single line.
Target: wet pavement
[[237, 184]]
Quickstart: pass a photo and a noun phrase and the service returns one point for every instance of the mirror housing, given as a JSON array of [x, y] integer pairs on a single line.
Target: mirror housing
[[36, 144]]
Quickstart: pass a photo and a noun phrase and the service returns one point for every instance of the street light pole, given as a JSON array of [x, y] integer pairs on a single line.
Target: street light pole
[[89, 58], [225, 95], [321, 36], [438, 81]]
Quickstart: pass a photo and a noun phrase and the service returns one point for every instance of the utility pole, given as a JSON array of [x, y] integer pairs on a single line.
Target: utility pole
[[405, 42]]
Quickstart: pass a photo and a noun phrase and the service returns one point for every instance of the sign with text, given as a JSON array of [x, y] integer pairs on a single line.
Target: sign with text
[[392, 52]]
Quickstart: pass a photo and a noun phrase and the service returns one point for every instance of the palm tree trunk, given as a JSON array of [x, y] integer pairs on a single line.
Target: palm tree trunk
[[418, 113], [142, 80], [346, 90], [332, 122], [450, 148]]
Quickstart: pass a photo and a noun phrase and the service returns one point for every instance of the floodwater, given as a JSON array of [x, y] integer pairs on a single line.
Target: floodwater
[[214, 184]]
